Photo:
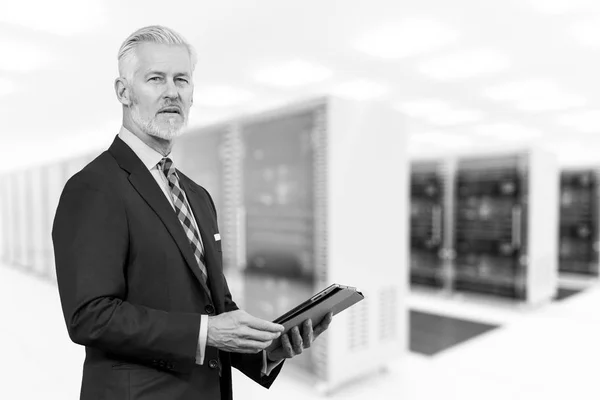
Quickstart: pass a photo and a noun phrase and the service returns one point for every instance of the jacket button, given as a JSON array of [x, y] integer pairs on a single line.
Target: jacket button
[[209, 309], [213, 364]]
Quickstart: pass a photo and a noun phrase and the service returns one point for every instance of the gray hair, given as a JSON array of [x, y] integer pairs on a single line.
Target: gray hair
[[149, 34]]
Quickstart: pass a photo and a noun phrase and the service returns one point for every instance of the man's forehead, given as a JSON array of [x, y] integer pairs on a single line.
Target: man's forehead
[[163, 56]]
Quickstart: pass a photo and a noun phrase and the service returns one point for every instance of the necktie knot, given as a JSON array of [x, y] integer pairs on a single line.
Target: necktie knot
[[166, 165]]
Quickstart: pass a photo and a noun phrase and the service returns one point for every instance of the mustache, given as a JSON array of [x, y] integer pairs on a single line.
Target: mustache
[[171, 107]]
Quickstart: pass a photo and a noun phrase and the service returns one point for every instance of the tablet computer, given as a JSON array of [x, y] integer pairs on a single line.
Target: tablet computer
[[335, 298]]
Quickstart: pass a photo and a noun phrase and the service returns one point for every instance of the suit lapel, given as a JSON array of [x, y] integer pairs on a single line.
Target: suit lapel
[[201, 210], [146, 186]]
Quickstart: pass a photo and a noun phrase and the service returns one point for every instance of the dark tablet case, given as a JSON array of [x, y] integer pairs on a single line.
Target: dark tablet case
[[335, 298]]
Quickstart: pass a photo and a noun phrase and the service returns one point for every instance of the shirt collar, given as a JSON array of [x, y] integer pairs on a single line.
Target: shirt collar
[[148, 155]]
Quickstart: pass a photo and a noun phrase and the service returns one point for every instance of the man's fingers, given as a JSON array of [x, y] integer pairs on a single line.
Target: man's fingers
[[258, 335], [262, 325], [287, 346], [323, 325], [251, 346], [296, 340], [307, 333]]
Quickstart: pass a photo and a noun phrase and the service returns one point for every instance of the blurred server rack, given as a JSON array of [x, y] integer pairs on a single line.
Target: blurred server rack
[[579, 212], [504, 239], [325, 191], [279, 206], [4, 226], [9, 242], [16, 221], [38, 234], [24, 258], [55, 176], [29, 201], [428, 265]]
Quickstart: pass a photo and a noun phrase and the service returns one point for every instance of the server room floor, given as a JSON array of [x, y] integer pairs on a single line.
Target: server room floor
[[549, 352]]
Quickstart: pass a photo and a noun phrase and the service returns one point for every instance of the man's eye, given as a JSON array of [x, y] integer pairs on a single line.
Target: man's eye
[[154, 78], [183, 80]]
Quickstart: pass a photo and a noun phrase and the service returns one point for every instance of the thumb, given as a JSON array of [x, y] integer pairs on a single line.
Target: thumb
[[263, 325]]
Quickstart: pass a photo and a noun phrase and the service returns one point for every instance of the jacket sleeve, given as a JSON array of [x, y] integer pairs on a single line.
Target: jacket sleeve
[[91, 241]]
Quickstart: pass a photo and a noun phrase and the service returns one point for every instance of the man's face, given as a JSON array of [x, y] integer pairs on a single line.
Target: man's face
[[162, 89]]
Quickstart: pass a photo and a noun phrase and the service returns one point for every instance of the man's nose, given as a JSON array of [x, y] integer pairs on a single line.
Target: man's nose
[[171, 90]]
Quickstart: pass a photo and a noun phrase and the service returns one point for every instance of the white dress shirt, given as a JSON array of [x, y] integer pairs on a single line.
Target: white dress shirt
[[151, 158]]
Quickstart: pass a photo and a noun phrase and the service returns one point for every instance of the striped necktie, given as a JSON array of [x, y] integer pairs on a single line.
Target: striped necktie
[[183, 211]]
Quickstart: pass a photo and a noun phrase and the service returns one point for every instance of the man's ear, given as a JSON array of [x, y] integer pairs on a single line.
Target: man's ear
[[122, 91]]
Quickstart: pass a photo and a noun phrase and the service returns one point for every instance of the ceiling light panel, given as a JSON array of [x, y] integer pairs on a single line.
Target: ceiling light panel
[[466, 64], [60, 17], [409, 37], [293, 74], [360, 90], [534, 95]]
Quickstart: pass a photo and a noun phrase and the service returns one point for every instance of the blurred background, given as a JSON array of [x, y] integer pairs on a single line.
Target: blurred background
[[443, 157]]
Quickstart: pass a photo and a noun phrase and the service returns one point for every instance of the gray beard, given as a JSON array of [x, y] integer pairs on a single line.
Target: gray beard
[[151, 128]]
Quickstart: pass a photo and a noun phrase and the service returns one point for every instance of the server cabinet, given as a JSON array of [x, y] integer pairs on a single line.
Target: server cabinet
[[278, 165], [502, 238], [4, 234], [38, 234], [18, 219], [27, 193], [578, 252], [9, 229], [491, 219], [507, 225], [427, 197], [325, 199], [49, 189], [55, 177]]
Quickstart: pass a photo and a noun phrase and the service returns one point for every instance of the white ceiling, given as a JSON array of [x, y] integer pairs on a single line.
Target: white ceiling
[[465, 72]]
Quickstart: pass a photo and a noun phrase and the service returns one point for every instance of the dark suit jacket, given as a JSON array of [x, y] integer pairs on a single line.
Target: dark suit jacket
[[130, 287]]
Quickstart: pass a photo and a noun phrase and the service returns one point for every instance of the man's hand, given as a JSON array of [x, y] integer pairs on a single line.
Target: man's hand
[[240, 332], [294, 342]]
